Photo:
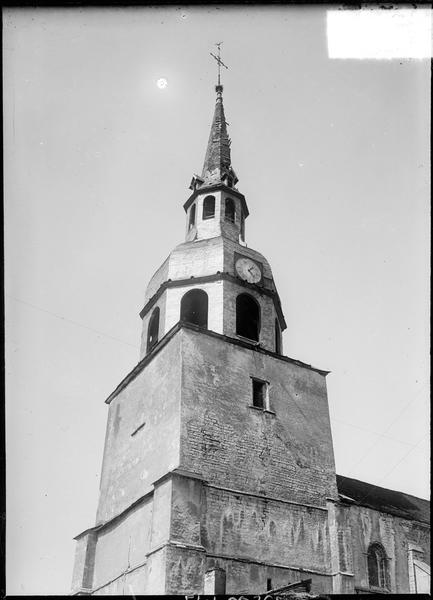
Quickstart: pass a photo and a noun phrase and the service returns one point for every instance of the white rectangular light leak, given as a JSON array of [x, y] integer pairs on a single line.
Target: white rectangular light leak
[[379, 33]]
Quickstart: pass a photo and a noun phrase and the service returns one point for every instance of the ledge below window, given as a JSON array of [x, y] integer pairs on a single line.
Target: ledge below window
[[263, 410], [371, 590]]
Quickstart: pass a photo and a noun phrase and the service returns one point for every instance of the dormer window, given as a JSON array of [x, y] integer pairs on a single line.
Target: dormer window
[[209, 207], [230, 211]]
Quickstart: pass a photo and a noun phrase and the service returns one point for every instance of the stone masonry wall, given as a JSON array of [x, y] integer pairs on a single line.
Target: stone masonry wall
[[361, 526], [123, 544], [286, 453], [251, 578], [243, 533], [130, 584], [279, 533]]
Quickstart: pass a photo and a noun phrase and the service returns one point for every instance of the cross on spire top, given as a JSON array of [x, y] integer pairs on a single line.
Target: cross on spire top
[[219, 61]]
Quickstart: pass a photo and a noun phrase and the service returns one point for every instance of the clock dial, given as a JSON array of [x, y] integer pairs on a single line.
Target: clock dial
[[248, 270]]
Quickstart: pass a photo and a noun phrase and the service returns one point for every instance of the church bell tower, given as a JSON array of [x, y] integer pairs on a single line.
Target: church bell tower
[[218, 459]]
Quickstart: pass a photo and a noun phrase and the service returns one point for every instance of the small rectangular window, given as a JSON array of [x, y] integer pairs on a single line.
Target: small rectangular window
[[260, 394], [268, 584]]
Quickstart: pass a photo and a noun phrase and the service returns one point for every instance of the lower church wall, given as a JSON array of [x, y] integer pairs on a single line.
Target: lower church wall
[[252, 578], [126, 585], [250, 527], [123, 545], [247, 495], [359, 526], [184, 570]]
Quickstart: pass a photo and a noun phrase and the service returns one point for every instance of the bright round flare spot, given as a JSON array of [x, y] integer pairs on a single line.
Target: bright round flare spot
[[162, 83]]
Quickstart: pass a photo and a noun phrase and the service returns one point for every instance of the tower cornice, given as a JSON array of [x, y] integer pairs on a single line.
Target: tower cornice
[[189, 326], [171, 283]]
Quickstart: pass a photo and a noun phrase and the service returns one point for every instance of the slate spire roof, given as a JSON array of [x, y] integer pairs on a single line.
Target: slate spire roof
[[217, 163]]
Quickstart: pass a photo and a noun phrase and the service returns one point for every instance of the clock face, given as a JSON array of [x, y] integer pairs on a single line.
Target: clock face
[[248, 270]]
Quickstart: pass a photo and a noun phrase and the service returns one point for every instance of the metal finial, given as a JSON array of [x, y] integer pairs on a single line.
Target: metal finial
[[219, 62]]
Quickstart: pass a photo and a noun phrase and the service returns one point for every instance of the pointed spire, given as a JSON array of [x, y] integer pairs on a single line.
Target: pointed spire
[[217, 162]]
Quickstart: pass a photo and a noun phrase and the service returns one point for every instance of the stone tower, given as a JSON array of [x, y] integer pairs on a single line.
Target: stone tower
[[218, 465]]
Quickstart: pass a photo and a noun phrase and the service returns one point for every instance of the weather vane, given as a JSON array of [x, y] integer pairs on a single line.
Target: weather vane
[[219, 61]]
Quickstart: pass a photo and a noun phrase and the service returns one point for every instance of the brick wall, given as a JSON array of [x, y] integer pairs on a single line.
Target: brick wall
[[262, 529], [288, 454]]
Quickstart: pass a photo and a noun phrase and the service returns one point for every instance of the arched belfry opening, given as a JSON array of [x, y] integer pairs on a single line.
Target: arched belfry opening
[[209, 207], [153, 330], [247, 317], [230, 211], [194, 308], [191, 217]]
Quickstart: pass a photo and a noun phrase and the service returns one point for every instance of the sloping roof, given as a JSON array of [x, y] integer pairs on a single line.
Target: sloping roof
[[388, 501]]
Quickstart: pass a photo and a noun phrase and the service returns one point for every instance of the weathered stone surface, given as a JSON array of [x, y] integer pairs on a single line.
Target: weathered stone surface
[[363, 526], [133, 462], [211, 483], [123, 544], [287, 455], [211, 257]]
